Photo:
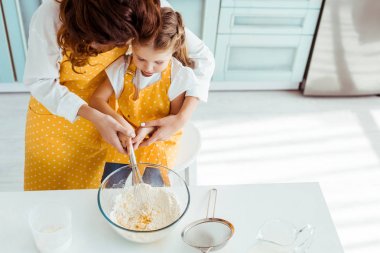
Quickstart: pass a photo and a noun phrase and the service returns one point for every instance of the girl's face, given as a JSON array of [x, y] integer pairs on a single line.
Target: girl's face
[[150, 60]]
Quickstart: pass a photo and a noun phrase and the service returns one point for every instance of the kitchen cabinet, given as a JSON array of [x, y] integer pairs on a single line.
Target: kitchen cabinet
[[263, 45]]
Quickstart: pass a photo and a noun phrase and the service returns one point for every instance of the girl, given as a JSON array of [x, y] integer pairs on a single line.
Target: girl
[[147, 88], [70, 43]]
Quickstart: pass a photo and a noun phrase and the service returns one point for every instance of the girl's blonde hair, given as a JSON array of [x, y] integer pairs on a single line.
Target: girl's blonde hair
[[171, 34]]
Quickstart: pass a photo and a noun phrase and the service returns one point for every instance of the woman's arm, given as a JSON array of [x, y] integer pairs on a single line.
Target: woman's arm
[[176, 104], [107, 126], [41, 76], [41, 73]]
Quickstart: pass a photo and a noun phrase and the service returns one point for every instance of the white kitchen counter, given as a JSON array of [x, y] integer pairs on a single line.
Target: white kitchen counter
[[246, 206]]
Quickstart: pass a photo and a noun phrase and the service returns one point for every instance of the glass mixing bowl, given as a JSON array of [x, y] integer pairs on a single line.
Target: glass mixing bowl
[[115, 183]]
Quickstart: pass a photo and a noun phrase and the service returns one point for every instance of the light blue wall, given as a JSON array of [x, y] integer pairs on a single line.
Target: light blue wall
[[192, 13], [6, 70], [27, 9], [14, 27]]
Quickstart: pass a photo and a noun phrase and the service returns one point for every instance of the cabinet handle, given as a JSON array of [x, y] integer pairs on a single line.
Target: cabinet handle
[[267, 21]]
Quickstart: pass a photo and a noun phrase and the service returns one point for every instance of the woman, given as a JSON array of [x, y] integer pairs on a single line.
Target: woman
[[71, 42]]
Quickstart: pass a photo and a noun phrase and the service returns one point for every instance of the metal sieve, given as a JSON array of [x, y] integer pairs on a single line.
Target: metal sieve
[[211, 233]]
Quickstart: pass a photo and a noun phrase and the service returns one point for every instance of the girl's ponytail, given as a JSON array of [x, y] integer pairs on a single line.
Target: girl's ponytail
[[181, 53]]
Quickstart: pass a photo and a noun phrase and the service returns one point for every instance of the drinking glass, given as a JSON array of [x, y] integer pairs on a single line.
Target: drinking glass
[[50, 224], [277, 236]]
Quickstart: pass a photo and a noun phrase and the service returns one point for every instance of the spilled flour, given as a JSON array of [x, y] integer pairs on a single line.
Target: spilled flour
[[154, 208]]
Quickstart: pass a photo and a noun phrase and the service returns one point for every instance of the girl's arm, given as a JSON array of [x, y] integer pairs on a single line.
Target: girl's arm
[[99, 101]]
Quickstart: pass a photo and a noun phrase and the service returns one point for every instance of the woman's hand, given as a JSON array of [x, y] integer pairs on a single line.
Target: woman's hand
[[164, 128], [108, 122], [141, 133], [109, 128], [126, 140]]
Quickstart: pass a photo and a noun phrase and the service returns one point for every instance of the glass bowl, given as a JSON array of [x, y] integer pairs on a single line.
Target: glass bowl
[[119, 180]]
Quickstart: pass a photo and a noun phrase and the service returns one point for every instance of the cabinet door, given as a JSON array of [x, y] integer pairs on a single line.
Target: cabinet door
[[275, 60], [273, 3], [268, 21]]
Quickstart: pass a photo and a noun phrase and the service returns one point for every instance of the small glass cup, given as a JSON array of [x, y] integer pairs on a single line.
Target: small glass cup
[[51, 227]]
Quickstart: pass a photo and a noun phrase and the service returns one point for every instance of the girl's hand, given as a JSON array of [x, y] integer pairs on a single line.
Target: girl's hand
[[107, 126], [141, 134], [164, 128]]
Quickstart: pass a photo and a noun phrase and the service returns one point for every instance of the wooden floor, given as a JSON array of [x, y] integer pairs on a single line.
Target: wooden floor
[[268, 137]]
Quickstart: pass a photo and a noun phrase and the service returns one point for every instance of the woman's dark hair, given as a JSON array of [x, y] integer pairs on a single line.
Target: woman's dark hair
[[171, 34], [109, 22]]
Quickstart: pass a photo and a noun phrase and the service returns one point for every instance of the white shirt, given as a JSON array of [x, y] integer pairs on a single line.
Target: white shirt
[[42, 64], [182, 78]]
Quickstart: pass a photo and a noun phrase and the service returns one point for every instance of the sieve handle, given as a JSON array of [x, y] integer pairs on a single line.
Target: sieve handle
[[211, 202]]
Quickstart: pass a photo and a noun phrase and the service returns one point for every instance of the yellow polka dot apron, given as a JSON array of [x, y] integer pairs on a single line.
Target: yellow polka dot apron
[[138, 106], [60, 154]]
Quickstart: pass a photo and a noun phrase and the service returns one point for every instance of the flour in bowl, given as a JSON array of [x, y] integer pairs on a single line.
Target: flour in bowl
[[154, 208]]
